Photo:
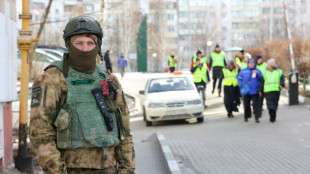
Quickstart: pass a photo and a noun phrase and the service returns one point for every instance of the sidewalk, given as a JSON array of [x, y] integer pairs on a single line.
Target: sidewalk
[[229, 146]]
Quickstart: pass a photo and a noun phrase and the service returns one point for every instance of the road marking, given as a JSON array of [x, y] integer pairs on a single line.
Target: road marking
[[166, 149], [161, 137], [173, 165]]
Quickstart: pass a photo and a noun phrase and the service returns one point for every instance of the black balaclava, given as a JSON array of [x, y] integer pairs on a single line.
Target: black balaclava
[[82, 61]]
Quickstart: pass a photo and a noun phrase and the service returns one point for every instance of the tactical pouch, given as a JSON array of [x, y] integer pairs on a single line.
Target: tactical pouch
[[111, 99], [120, 124], [63, 123]]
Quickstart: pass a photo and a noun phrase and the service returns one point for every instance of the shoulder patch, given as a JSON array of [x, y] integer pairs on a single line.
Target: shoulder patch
[[36, 96]]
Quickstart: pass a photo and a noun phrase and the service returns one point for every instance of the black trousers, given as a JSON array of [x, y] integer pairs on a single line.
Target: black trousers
[[202, 91], [230, 99], [219, 86], [272, 114], [238, 95], [172, 69], [256, 106], [261, 100], [109, 68]]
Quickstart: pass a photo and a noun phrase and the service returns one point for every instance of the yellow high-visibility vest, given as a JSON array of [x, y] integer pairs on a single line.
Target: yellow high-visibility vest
[[230, 77], [200, 74], [262, 67], [172, 62], [218, 59], [272, 80]]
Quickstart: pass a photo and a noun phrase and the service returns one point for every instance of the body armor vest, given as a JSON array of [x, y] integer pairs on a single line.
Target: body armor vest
[[86, 126]]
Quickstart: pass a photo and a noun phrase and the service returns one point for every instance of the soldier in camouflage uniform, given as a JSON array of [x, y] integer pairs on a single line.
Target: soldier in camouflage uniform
[[68, 132]]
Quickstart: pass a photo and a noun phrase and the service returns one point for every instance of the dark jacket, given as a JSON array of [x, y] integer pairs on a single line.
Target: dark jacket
[[107, 60]]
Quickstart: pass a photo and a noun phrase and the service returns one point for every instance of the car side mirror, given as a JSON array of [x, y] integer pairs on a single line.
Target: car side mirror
[[142, 92]]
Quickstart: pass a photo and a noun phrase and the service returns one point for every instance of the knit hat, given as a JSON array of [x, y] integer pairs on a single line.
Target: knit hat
[[259, 57], [198, 59], [217, 46], [198, 52], [273, 63]]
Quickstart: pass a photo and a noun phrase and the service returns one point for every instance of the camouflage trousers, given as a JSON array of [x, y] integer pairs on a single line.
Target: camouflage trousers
[[111, 170]]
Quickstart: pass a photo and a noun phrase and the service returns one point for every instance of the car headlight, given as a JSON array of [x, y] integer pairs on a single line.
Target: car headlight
[[156, 105], [194, 102]]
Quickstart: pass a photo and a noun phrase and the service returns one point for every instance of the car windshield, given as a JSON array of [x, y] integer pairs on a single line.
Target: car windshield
[[169, 84]]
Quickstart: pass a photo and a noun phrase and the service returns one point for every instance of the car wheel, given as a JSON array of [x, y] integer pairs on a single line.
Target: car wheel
[[144, 114], [148, 123], [199, 119]]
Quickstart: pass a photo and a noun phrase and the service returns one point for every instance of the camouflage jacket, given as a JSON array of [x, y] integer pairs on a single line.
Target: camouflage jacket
[[48, 96]]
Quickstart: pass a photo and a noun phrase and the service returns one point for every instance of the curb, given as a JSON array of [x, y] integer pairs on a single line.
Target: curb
[[170, 162]]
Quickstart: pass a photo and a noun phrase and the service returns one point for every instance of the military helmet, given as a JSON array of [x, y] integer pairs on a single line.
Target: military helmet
[[83, 25]]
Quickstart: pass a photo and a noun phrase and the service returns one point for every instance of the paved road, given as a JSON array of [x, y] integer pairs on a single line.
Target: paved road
[[225, 146], [222, 145]]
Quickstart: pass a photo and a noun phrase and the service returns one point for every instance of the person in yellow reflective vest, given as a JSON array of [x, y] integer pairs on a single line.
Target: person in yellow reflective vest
[[217, 62], [230, 76], [201, 78], [244, 63], [262, 66], [271, 85], [198, 54], [238, 59], [172, 62]]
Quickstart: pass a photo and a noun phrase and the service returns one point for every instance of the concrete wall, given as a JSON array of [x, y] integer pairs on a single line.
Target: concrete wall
[[8, 77]]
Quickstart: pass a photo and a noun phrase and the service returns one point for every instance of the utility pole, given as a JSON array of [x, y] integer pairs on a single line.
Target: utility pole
[[293, 76], [178, 34], [271, 20], [23, 162], [101, 22], [190, 30]]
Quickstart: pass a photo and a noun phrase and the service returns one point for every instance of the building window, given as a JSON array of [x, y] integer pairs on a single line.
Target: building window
[[183, 2], [170, 17], [68, 8], [235, 25], [171, 29], [89, 7], [169, 6], [184, 15]]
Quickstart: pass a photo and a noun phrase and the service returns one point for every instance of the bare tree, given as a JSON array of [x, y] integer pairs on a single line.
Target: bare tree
[[203, 31], [157, 35], [123, 23], [32, 73]]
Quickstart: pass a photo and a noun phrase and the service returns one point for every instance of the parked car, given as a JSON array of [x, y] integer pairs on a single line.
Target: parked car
[[41, 59], [54, 52], [170, 98]]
